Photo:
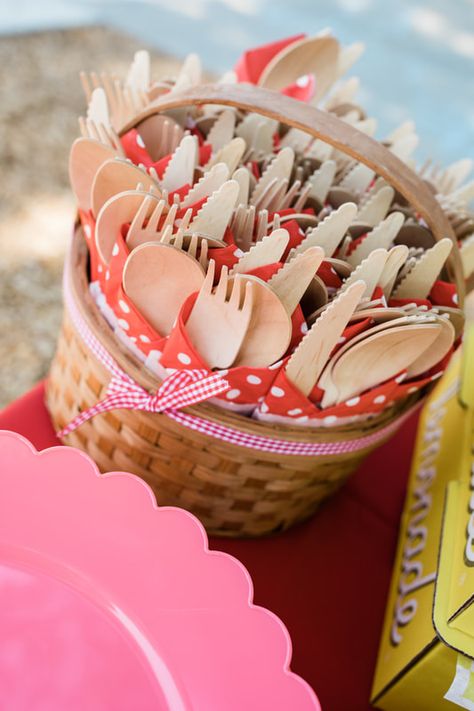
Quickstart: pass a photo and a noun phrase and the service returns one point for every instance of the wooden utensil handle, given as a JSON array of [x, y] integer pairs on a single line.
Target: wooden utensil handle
[[332, 130]]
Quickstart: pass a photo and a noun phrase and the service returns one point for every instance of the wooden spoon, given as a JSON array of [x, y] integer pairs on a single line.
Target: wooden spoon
[[116, 176], [311, 55], [343, 268], [378, 315], [85, 159], [314, 300], [456, 316], [269, 332], [117, 211], [304, 220], [436, 350], [414, 235], [381, 324], [376, 359], [158, 279]]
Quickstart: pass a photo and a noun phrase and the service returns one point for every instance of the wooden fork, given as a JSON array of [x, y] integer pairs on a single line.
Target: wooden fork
[[161, 135], [189, 243], [146, 229], [102, 133], [219, 320], [123, 102], [242, 226]]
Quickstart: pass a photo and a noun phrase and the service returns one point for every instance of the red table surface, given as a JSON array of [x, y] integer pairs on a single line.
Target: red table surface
[[327, 579]]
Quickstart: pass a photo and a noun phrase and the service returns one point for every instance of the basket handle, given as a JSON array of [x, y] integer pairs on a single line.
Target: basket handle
[[332, 130]]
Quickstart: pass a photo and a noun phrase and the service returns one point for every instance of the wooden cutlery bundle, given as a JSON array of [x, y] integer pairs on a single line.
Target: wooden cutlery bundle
[[261, 237]]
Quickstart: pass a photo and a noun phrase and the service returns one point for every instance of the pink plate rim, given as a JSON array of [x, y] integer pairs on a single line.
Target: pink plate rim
[[129, 504]]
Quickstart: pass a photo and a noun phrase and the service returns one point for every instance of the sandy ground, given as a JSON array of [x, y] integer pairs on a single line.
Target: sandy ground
[[41, 100]]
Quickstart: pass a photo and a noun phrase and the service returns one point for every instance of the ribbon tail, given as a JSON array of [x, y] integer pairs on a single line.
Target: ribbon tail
[[110, 402], [194, 393]]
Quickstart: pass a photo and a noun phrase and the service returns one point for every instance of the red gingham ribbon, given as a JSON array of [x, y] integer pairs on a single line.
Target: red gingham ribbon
[[174, 393], [182, 388]]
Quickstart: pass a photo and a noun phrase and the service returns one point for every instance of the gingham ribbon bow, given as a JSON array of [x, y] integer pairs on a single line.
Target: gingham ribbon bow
[[181, 389]]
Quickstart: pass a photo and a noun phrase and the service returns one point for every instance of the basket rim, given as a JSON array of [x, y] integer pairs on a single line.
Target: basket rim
[[76, 262], [331, 129]]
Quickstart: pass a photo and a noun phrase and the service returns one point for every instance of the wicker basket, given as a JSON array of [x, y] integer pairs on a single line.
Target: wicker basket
[[234, 490]]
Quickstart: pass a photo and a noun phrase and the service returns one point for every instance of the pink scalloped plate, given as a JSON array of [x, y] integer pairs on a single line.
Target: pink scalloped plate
[[110, 603]]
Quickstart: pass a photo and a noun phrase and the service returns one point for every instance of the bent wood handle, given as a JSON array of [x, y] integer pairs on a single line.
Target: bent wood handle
[[332, 130]]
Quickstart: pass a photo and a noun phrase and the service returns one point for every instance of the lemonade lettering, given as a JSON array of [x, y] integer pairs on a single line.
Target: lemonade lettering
[[413, 575]]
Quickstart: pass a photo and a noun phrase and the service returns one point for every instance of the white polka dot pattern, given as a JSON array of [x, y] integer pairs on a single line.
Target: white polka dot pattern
[[184, 358], [277, 392]]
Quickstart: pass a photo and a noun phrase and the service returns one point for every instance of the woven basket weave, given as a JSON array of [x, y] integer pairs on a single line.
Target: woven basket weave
[[234, 490]]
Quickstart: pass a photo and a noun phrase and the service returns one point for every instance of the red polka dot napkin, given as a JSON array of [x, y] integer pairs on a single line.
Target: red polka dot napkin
[[247, 385]]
